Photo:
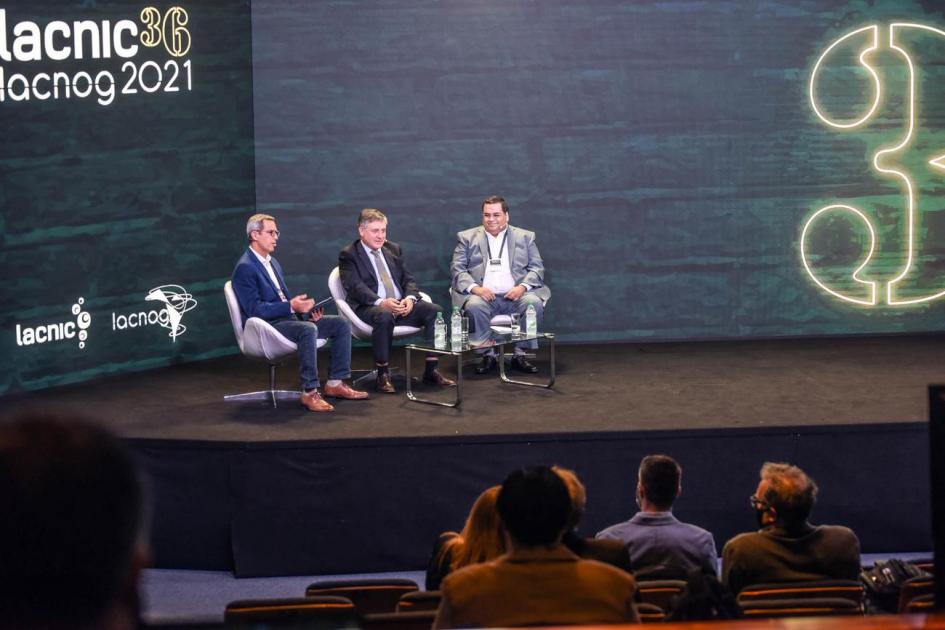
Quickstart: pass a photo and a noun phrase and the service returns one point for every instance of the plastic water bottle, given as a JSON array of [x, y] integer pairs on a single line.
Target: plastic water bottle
[[456, 329], [531, 321], [439, 332]]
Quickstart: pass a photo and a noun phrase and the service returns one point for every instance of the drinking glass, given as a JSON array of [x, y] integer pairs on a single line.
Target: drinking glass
[[516, 329]]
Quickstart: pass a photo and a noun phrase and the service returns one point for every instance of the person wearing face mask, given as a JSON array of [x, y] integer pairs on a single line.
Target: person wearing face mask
[[661, 546], [788, 548]]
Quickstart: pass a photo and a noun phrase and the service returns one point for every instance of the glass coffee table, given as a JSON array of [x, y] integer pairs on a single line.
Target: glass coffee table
[[499, 341]]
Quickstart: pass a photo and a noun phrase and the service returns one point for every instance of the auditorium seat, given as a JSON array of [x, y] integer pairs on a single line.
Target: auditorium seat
[[650, 613], [259, 340], [660, 593], [369, 596], [926, 564], [830, 589], [800, 607], [414, 620], [419, 600], [914, 588], [315, 612], [920, 604]]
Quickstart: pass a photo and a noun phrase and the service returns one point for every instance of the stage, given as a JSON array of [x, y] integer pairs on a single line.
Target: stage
[[262, 491]]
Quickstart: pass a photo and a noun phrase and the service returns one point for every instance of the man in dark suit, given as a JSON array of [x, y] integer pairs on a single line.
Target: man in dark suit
[[383, 293], [261, 291]]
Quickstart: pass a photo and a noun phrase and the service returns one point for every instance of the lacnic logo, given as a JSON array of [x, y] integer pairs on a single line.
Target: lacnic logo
[[58, 331], [176, 301]]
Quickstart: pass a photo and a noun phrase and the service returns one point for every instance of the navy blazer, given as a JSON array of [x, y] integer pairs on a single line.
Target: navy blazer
[[360, 281], [257, 295]]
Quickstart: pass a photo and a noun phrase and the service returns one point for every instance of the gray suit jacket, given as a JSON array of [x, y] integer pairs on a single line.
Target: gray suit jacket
[[471, 254]]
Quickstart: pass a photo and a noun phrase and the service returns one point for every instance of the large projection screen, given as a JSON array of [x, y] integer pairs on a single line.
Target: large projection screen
[[127, 144]]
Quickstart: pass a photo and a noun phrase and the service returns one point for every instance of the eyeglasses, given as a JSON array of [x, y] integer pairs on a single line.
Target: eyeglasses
[[756, 503], [270, 232]]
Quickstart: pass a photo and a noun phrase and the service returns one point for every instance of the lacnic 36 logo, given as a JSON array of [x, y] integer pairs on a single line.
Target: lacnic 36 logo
[[58, 331]]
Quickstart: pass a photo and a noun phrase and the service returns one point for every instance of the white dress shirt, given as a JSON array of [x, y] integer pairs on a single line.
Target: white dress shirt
[[267, 263], [498, 277], [381, 291]]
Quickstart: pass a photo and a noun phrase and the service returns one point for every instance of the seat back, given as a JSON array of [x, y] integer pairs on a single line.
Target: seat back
[[419, 600], [236, 317], [660, 593], [315, 612], [369, 596], [414, 620], [913, 588], [920, 604], [830, 589], [359, 329], [800, 607], [650, 613]]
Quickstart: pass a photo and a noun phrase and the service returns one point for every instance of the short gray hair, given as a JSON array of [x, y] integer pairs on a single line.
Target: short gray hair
[[790, 491], [370, 215], [255, 224]]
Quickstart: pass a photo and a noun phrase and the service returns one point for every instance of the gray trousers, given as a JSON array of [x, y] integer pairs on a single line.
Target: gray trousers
[[480, 312]]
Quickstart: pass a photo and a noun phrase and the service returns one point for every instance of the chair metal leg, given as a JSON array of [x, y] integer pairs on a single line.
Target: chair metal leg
[[371, 375], [272, 394]]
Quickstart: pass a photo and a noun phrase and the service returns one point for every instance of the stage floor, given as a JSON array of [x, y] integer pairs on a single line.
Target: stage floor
[[600, 388]]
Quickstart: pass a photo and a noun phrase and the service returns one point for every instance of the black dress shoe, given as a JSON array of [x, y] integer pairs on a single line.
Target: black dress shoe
[[486, 364], [522, 364], [433, 377], [383, 384]]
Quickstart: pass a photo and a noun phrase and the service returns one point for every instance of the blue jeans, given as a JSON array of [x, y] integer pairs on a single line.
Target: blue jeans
[[306, 335]]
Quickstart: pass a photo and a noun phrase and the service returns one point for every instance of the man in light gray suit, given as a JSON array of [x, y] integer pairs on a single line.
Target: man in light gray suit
[[497, 270]]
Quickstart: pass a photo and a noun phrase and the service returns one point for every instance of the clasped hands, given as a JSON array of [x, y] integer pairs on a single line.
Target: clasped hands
[[399, 308], [488, 294], [304, 304]]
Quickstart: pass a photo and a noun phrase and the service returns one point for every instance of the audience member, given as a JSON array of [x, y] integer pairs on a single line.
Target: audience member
[[72, 541], [612, 552], [788, 548], [540, 581], [661, 546], [482, 539]]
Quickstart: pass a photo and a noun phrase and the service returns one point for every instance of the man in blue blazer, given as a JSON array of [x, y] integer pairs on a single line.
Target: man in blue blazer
[[261, 292], [497, 270]]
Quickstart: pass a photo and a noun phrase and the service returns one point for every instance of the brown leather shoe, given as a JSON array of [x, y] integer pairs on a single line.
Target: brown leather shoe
[[344, 391], [433, 377], [383, 384], [313, 401]]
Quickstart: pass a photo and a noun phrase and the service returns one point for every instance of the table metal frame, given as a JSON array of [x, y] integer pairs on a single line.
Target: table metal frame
[[499, 344]]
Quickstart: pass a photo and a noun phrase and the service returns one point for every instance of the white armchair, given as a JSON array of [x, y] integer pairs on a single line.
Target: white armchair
[[259, 340], [360, 329]]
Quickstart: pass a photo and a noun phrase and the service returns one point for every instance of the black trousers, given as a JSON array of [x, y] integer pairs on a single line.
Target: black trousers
[[383, 322]]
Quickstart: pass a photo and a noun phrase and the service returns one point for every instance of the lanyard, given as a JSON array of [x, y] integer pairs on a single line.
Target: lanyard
[[501, 245]]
